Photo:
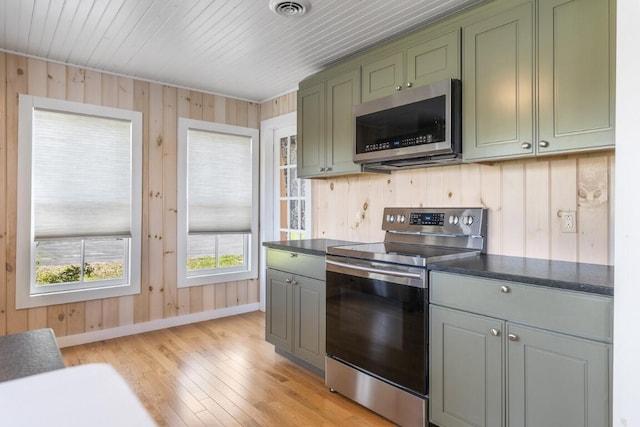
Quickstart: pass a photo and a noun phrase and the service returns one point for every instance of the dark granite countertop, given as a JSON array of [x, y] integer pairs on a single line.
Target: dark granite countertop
[[591, 278], [308, 246]]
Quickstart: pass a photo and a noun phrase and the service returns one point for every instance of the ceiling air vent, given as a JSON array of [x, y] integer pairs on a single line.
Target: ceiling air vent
[[289, 8]]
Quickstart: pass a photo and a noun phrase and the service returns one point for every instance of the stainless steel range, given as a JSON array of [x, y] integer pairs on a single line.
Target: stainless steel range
[[378, 307]]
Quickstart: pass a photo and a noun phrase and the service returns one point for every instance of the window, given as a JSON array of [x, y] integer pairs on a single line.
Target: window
[[217, 203], [79, 202], [294, 194]]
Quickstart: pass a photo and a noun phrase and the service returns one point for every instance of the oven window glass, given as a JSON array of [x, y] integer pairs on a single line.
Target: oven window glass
[[379, 327]]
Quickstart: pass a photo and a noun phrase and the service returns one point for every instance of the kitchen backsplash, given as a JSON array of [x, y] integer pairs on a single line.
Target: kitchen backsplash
[[524, 198]]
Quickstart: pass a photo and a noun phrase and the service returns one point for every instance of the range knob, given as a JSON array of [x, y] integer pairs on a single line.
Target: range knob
[[467, 220], [453, 219], [400, 218], [391, 218]]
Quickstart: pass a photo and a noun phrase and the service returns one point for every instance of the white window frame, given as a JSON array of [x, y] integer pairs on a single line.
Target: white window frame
[[268, 155], [26, 245], [212, 276]]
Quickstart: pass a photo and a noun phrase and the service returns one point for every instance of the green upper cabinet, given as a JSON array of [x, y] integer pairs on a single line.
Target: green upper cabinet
[[325, 124], [423, 59], [573, 79], [311, 129], [497, 84], [576, 74], [343, 92]]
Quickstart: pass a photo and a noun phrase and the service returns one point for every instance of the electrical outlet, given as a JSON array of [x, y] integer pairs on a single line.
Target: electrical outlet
[[568, 222]]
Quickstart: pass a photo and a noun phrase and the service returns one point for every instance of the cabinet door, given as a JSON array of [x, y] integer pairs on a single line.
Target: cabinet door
[[557, 380], [382, 77], [497, 89], [309, 320], [434, 60], [279, 313], [343, 92], [466, 376], [311, 130], [576, 74]]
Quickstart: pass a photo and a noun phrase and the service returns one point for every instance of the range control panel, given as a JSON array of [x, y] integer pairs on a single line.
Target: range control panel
[[456, 221], [426, 218]]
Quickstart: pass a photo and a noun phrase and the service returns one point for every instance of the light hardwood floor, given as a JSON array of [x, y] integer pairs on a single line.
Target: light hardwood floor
[[221, 373]]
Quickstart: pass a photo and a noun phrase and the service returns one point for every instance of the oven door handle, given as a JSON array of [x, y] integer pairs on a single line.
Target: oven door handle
[[376, 270]]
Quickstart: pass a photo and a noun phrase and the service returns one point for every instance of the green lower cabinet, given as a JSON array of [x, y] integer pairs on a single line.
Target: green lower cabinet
[[556, 379], [490, 372], [295, 315], [279, 309], [309, 320], [466, 374]]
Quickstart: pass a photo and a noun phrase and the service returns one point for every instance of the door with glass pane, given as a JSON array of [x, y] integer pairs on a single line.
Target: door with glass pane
[[293, 195]]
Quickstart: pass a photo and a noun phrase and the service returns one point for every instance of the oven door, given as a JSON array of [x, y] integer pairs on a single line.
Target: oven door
[[377, 320]]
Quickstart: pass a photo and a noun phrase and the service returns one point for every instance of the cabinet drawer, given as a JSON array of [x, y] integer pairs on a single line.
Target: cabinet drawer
[[576, 313], [297, 263]]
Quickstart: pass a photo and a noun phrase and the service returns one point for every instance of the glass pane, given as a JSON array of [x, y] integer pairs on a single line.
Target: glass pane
[[293, 189], [293, 214], [231, 250], [201, 252], [294, 150], [283, 182], [104, 259], [58, 261], [283, 151], [284, 214], [283, 235], [303, 216], [303, 187]]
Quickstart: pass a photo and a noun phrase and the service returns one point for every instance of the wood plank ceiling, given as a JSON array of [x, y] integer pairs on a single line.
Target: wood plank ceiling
[[237, 48]]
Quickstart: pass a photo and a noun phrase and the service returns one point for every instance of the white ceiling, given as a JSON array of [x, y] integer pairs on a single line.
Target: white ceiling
[[238, 48]]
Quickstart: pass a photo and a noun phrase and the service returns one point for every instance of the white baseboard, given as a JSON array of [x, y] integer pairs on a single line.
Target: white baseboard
[[153, 325]]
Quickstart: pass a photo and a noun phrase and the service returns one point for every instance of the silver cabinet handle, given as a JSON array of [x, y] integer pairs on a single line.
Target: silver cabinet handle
[[494, 332], [504, 289], [398, 88], [409, 84], [543, 144], [512, 337], [526, 145]]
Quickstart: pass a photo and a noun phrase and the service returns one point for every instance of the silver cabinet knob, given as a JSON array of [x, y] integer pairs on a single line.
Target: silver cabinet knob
[[329, 169], [543, 144], [293, 282], [398, 88], [409, 84], [293, 255], [512, 337], [494, 332], [288, 280], [504, 289], [526, 145], [321, 169]]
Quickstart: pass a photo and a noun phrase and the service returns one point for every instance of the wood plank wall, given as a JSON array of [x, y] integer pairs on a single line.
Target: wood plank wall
[[523, 197], [161, 106]]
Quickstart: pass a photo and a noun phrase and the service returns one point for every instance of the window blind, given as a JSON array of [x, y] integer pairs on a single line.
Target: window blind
[[81, 175], [219, 182]]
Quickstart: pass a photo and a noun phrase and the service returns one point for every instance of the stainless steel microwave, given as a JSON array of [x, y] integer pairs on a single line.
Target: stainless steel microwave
[[413, 128]]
